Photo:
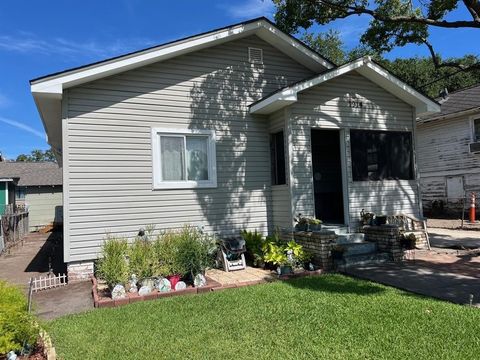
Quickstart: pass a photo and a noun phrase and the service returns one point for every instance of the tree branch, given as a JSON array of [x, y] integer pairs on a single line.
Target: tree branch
[[358, 10]]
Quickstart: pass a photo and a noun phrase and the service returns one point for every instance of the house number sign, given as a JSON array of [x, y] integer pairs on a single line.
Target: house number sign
[[355, 103]]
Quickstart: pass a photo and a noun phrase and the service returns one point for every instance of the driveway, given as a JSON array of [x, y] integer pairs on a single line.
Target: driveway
[[32, 260], [454, 239], [444, 276]]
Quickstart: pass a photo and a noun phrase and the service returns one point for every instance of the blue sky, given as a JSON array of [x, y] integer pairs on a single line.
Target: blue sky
[[42, 37]]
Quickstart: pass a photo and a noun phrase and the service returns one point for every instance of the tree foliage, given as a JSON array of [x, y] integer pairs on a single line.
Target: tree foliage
[[420, 72], [37, 156], [394, 23]]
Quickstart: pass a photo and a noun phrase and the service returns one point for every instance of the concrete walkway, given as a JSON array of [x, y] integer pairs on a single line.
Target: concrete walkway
[[32, 260], [454, 239], [444, 276]]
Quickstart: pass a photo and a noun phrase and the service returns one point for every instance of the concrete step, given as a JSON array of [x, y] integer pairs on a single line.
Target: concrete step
[[350, 238], [360, 248], [366, 259], [337, 229]]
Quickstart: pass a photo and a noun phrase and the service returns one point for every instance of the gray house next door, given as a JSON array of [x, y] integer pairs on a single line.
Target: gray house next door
[[327, 176]]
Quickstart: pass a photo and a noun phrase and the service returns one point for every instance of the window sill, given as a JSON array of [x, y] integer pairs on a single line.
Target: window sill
[[185, 185]]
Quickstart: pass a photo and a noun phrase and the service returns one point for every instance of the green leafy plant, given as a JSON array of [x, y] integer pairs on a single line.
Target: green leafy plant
[[113, 266], [142, 260], [281, 253], [17, 326], [254, 242], [314, 221], [187, 251]]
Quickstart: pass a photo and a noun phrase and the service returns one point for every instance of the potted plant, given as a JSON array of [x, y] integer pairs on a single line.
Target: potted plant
[[380, 220], [367, 217], [314, 224], [408, 242], [301, 223]]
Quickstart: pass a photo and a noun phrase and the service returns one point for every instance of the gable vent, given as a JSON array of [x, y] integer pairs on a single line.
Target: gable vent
[[255, 55]]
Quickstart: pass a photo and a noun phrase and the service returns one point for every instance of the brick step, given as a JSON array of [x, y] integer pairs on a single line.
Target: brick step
[[361, 248], [366, 259]]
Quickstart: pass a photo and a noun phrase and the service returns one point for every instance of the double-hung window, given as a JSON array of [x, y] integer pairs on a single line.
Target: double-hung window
[[183, 158]]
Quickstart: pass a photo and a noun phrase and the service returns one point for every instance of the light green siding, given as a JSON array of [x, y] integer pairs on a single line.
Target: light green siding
[[44, 205], [3, 196]]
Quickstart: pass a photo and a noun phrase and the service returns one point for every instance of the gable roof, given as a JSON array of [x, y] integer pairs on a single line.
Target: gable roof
[[48, 90], [460, 101], [262, 27], [366, 67], [32, 173]]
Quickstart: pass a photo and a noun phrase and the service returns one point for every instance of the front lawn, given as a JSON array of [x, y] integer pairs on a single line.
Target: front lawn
[[327, 317]]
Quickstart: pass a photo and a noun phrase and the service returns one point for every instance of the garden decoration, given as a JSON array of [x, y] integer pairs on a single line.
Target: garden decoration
[[118, 292], [164, 285], [301, 223], [199, 280], [232, 252], [144, 290], [180, 286], [133, 284], [148, 282]]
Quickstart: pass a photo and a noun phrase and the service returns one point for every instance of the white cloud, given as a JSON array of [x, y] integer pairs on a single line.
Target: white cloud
[[28, 43], [24, 127], [250, 9]]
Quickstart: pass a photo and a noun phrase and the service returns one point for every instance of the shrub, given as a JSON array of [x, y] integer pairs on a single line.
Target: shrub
[[279, 252], [187, 251], [254, 242], [113, 266], [17, 326], [142, 260]]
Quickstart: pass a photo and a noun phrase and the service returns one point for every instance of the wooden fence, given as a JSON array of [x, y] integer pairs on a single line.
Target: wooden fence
[[13, 228]]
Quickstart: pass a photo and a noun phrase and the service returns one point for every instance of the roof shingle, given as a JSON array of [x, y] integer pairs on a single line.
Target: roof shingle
[[32, 173], [461, 100]]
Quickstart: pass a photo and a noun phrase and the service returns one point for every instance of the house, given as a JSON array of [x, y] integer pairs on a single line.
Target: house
[[35, 185], [238, 128], [449, 152]]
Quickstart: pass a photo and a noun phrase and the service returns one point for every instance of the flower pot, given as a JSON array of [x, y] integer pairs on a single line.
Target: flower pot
[[284, 270], [174, 279], [301, 227], [380, 220], [315, 227]]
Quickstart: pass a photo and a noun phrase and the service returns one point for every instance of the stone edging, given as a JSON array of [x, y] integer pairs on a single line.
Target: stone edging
[[48, 348], [213, 286]]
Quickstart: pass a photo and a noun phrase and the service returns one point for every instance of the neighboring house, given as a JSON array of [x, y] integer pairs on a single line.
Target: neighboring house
[[449, 152], [238, 128], [37, 185]]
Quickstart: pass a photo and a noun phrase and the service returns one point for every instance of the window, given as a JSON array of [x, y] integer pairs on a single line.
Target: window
[[20, 193], [277, 158], [381, 155], [183, 158], [476, 130]]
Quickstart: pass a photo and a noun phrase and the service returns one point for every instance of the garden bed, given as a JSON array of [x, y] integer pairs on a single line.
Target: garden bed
[[102, 296]]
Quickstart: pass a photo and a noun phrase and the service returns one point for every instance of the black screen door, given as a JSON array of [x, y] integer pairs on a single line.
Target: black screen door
[[327, 176]]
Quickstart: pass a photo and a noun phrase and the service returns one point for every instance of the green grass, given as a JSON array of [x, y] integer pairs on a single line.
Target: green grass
[[327, 317]]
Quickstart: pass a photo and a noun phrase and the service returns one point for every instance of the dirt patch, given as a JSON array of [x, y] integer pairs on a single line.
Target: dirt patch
[[453, 224]]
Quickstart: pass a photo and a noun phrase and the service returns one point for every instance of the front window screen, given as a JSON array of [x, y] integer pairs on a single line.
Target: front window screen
[[381, 155]]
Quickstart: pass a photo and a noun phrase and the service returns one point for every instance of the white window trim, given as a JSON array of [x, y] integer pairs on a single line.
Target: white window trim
[[187, 184], [472, 128]]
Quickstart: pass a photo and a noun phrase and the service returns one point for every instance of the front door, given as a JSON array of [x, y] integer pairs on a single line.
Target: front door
[[327, 176]]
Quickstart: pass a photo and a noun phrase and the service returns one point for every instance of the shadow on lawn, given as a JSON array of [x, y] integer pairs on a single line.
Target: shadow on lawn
[[337, 284]]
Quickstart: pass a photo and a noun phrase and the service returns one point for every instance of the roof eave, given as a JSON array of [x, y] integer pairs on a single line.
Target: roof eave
[[366, 67]]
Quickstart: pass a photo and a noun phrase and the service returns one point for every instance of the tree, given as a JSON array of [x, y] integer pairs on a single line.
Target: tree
[[394, 23], [419, 72], [38, 156]]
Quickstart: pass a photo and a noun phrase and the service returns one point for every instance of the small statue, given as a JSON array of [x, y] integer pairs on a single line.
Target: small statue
[[133, 284], [199, 280]]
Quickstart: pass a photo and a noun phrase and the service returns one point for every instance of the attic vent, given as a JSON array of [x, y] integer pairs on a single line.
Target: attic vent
[[255, 55]]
